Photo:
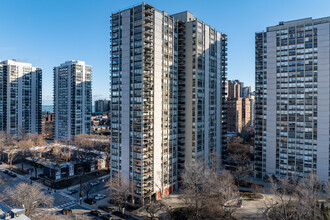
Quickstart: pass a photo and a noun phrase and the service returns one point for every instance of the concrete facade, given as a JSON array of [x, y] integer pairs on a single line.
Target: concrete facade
[[292, 99], [20, 98]]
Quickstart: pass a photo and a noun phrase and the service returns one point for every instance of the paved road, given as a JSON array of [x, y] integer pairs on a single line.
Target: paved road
[[61, 198]]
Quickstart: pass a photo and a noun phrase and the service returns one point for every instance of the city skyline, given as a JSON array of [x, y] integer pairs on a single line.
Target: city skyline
[[49, 41]]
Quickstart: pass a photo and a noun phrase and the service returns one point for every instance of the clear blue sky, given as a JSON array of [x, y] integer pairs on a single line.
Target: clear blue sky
[[49, 32]]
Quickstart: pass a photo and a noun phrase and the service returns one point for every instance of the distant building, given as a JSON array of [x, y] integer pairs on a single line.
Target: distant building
[[238, 114], [238, 106], [20, 98], [234, 89], [47, 125], [234, 115], [252, 108], [72, 99], [102, 105], [246, 91], [101, 124]]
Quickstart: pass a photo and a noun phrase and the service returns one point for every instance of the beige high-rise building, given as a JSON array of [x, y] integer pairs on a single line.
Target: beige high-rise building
[[238, 106], [238, 114], [234, 115]]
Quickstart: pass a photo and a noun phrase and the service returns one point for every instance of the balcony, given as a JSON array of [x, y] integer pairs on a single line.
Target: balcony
[[149, 12], [148, 39], [149, 18], [148, 53], [148, 32], [148, 26]]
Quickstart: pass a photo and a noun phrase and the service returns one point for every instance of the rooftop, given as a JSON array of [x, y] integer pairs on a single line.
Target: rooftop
[[303, 21]]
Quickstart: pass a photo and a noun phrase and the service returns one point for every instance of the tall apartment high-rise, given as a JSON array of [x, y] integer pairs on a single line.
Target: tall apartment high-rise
[[238, 114], [20, 98], [167, 87], [202, 76], [72, 99], [238, 106], [102, 105], [292, 99], [234, 89]]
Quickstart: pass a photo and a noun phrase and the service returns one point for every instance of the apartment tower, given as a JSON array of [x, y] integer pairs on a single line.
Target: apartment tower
[[102, 105], [20, 98], [166, 96], [72, 99], [292, 99]]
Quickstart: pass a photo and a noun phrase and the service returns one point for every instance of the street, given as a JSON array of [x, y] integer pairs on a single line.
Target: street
[[61, 198]]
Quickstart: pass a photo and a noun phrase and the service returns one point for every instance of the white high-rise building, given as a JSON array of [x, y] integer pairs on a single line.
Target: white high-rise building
[[167, 91], [20, 98], [292, 99], [72, 99]]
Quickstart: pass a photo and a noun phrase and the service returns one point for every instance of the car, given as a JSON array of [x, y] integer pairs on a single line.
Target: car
[[6, 171], [71, 192], [107, 217], [99, 196], [94, 183], [95, 213], [90, 201], [66, 211], [106, 208], [12, 174]]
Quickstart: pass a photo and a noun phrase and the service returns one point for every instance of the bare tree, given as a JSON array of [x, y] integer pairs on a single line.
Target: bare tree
[[327, 189], [35, 138], [293, 199], [103, 145], [205, 191], [153, 208], [119, 188], [83, 141], [29, 196], [86, 187], [34, 156], [240, 158], [13, 150], [24, 147]]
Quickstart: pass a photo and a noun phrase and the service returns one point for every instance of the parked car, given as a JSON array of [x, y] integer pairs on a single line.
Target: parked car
[[106, 208], [12, 174], [90, 201], [71, 192], [94, 183], [99, 196], [66, 211], [95, 213]]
